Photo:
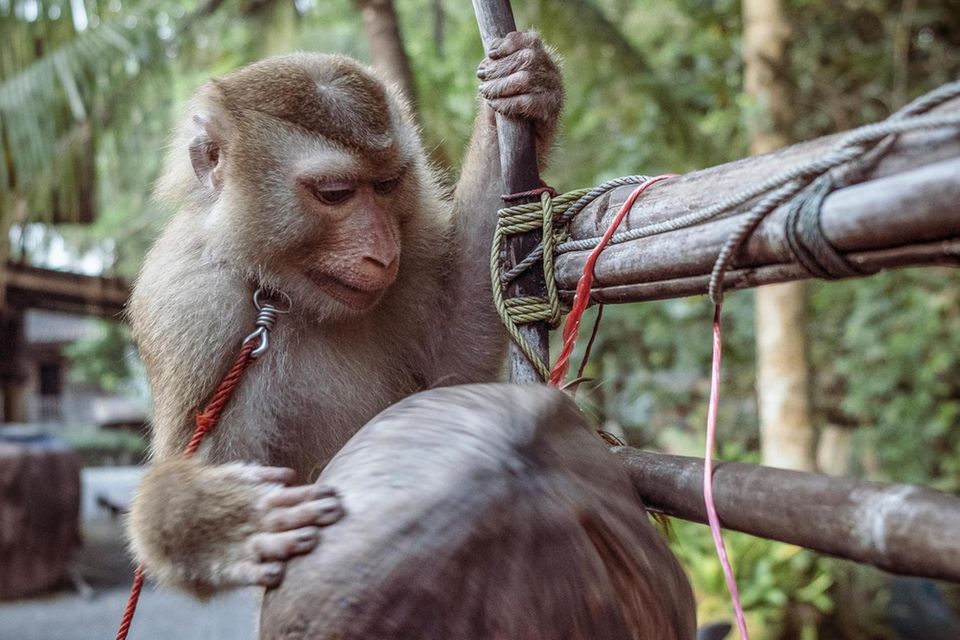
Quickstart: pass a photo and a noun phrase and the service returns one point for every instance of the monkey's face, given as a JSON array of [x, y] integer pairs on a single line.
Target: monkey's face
[[352, 254], [330, 220], [310, 164]]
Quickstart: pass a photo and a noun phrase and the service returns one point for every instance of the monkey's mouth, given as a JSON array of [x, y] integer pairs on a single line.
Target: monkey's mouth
[[349, 295]]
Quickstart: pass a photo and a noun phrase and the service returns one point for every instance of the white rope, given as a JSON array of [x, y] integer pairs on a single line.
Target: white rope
[[784, 184]]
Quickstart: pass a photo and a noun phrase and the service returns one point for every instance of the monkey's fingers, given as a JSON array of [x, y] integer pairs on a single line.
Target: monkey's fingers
[[534, 106], [534, 91], [513, 85], [501, 67], [250, 573], [513, 41], [322, 512], [284, 545], [292, 496]]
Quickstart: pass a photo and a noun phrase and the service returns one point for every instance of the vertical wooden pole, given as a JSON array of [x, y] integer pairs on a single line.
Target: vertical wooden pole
[[518, 162]]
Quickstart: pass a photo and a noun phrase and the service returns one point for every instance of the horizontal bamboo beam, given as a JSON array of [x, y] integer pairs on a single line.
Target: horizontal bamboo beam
[[30, 287], [905, 529], [904, 213]]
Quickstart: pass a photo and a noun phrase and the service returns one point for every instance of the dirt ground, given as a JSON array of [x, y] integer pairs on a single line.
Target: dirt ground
[[104, 565]]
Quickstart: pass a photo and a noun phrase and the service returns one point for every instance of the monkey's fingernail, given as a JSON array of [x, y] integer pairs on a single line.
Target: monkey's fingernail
[[494, 45], [323, 491], [309, 536], [329, 514]]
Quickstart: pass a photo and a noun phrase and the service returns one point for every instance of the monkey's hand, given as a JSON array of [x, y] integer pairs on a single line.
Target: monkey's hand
[[204, 528], [520, 78]]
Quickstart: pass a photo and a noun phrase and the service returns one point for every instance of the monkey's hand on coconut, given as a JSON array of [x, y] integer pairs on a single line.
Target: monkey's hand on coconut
[[208, 528], [520, 78]]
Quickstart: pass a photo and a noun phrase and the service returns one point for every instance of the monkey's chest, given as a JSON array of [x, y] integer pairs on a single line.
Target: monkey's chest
[[323, 395]]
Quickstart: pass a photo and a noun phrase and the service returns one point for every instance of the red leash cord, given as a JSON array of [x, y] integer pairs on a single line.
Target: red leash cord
[[205, 421], [571, 330], [132, 601], [253, 347]]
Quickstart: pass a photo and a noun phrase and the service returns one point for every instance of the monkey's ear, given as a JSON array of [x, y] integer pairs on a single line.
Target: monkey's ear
[[206, 152]]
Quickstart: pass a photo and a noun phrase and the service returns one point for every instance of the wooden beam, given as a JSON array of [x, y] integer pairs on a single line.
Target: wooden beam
[[905, 529], [518, 163], [904, 213], [35, 288]]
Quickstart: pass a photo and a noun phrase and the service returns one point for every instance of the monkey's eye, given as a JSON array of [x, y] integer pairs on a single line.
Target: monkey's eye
[[333, 196], [383, 187]]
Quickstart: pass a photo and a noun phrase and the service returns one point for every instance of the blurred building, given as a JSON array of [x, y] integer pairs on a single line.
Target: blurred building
[[43, 311], [51, 394]]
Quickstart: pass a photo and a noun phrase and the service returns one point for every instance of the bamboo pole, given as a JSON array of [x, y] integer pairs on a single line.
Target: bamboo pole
[[905, 529], [904, 213], [518, 163]]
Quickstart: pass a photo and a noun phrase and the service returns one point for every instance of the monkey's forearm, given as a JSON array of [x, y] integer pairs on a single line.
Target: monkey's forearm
[[479, 191], [183, 522], [519, 79], [202, 528]]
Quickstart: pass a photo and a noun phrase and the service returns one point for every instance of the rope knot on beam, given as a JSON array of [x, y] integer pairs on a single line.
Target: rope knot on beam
[[548, 215]]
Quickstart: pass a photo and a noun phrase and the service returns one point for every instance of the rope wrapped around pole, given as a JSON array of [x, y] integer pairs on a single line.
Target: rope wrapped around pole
[[518, 163]]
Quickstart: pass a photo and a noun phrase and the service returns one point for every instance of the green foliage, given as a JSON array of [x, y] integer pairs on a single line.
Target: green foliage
[[888, 354], [785, 590], [104, 360], [62, 84], [656, 82], [649, 371], [99, 448]]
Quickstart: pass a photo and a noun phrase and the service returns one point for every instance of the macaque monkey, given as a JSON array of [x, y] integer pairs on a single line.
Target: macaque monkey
[[304, 175], [505, 517]]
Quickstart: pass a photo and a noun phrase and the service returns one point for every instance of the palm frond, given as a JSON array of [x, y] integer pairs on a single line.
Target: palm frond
[[52, 107]]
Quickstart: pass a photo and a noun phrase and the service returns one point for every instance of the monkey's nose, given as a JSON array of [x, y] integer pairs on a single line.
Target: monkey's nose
[[379, 273]]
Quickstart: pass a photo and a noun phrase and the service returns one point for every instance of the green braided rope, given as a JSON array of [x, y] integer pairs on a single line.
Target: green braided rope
[[513, 312]]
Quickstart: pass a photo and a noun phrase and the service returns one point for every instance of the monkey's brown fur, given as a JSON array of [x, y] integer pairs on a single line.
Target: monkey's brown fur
[[504, 517], [252, 172]]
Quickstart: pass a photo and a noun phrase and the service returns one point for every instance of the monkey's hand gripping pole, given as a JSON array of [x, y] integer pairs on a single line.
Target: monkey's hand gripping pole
[[518, 163], [253, 346]]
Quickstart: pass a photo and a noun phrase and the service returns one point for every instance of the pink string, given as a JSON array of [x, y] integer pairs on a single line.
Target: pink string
[[712, 517]]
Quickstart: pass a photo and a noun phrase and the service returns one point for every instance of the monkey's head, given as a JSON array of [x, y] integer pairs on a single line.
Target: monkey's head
[[305, 170]]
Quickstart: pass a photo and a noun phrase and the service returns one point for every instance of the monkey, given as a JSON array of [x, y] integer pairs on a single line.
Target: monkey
[[304, 176], [505, 517]]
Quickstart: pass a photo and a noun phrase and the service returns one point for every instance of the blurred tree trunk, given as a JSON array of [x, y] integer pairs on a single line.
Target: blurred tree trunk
[[787, 435], [276, 26], [6, 219], [386, 45], [13, 379], [439, 26], [390, 58], [835, 450]]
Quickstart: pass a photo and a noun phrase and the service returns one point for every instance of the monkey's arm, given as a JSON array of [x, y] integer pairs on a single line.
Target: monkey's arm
[[202, 528], [519, 78]]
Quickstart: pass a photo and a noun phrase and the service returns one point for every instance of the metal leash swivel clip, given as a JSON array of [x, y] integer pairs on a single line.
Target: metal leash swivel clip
[[266, 318]]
